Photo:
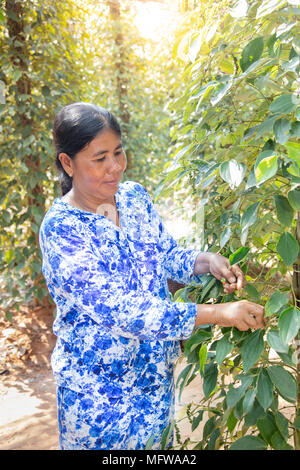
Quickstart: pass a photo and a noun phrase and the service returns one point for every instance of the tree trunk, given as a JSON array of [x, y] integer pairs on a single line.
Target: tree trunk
[[19, 56], [296, 286], [121, 68]]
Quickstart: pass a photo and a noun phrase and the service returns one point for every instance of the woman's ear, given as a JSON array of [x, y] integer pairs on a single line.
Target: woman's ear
[[66, 163]]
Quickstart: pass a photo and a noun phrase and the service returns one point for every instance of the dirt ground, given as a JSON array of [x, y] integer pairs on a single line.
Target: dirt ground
[[28, 418]]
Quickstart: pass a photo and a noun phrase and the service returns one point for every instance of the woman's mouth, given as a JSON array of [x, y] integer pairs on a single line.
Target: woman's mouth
[[113, 183]]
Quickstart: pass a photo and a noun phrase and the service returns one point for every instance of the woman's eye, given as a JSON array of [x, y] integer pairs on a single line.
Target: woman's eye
[[117, 154]]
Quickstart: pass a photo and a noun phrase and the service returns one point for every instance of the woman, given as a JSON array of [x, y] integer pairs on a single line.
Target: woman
[[106, 261]]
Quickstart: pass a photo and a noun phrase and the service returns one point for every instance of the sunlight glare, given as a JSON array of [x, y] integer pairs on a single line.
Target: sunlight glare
[[155, 21]]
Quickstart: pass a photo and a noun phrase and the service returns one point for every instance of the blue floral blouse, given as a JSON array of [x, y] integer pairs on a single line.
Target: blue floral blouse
[[117, 329]]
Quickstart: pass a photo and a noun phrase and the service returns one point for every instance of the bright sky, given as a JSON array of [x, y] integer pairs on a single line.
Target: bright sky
[[155, 20]]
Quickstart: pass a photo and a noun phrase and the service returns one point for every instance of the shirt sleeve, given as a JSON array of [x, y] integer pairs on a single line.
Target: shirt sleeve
[[105, 285], [179, 261]]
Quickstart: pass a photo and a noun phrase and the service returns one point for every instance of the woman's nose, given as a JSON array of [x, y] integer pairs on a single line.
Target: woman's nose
[[114, 165]]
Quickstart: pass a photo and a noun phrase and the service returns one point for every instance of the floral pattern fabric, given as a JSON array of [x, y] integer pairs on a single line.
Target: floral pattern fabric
[[117, 329]]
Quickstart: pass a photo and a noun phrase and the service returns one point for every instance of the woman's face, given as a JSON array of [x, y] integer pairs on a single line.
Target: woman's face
[[98, 169]]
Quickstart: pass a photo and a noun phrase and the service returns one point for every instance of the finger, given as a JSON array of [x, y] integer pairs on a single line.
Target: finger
[[228, 274], [243, 326], [241, 281], [229, 288]]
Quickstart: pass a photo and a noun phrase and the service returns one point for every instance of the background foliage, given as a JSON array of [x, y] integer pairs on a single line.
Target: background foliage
[[236, 153], [54, 53]]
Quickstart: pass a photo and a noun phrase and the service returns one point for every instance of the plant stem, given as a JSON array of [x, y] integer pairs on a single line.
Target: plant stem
[[296, 292]]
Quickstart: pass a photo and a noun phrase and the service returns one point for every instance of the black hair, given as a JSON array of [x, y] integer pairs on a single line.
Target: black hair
[[75, 126]]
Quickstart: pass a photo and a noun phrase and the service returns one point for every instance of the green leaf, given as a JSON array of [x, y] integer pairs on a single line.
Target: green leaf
[[266, 126], [183, 377], [266, 168], [251, 53], [209, 426], [264, 392], [279, 443], [8, 315], [267, 426], [249, 216], [213, 439], [274, 430], [296, 42], [289, 324], [202, 356], [251, 349], [234, 395], [225, 236], [207, 287], [248, 401], [293, 149], [150, 442], [288, 359], [195, 46], [296, 423], [227, 66], [284, 104], [238, 255], [210, 378], [28, 141], [197, 419], [284, 382], [281, 130], [276, 342], [295, 129], [233, 172], [294, 199], [294, 169], [231, 421], [46, 91], [196, 339], [167, 432], [248, 443], [220, 92], [16, 75], [266, 7], [224, 347], [287, 248], [2, 18], [285, 212], [256, 412], [252, 292], [282, 424], [270, 44]]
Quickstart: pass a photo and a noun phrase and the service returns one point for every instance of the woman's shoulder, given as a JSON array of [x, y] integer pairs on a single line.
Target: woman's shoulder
[[136, 190], [61, 217]]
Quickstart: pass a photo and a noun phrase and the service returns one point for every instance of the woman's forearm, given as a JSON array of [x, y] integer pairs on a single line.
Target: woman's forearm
[[242, 315], [206, 314]]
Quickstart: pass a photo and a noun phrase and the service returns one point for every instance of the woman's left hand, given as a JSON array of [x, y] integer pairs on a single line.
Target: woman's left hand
[[220, 268]]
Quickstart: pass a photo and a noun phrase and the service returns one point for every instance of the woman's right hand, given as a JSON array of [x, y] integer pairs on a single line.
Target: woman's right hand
[[241, 314]]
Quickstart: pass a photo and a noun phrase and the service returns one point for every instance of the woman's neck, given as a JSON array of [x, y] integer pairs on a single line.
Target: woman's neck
[[87, 203], [106, 208]]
